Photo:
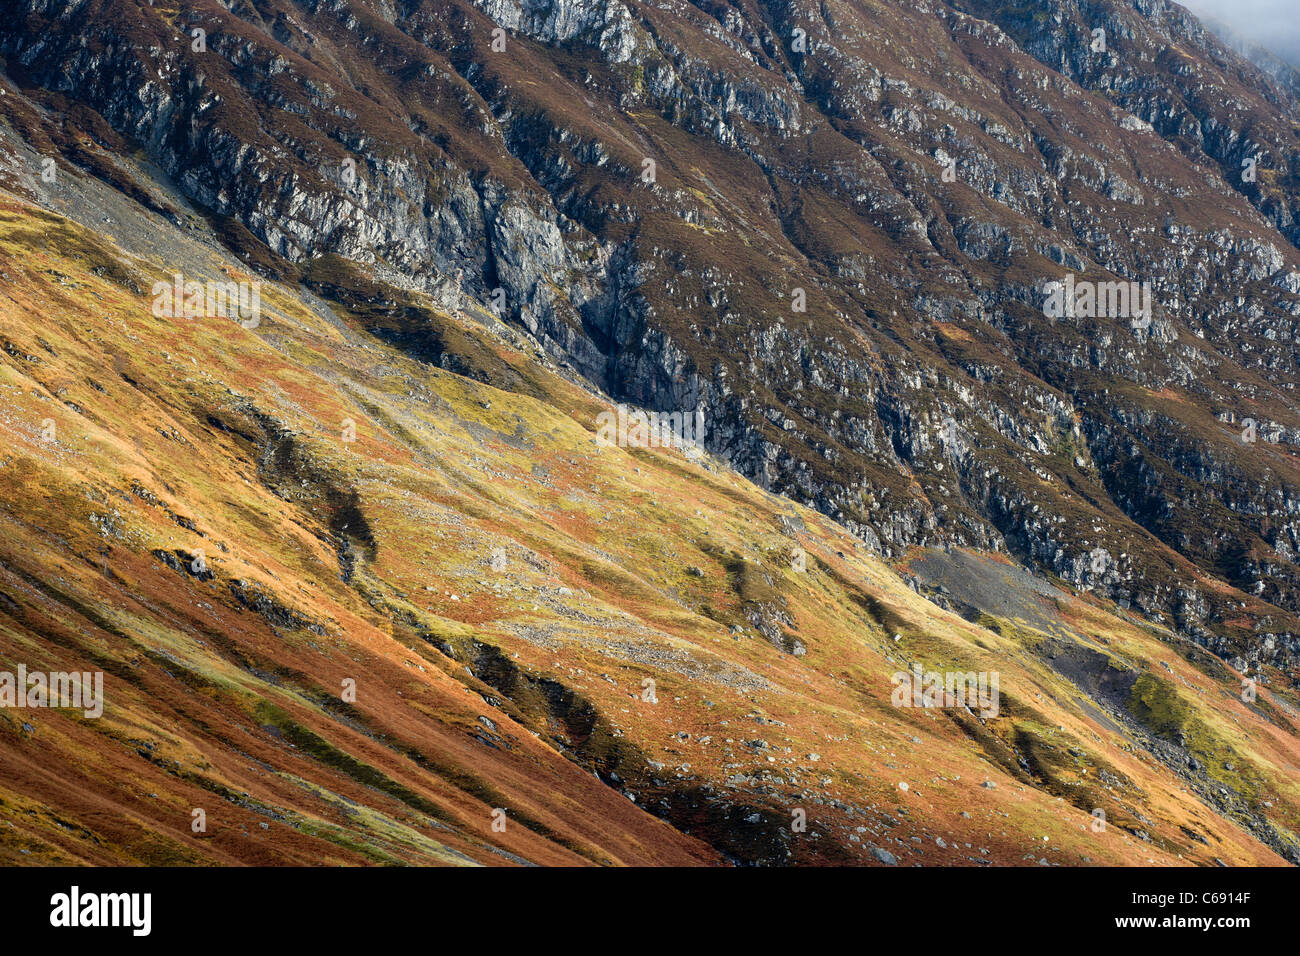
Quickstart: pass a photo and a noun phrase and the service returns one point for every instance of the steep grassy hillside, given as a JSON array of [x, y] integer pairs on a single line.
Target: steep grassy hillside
[[830, 225]]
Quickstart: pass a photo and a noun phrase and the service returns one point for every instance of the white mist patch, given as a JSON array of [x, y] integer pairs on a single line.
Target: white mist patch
[[1273, 24]]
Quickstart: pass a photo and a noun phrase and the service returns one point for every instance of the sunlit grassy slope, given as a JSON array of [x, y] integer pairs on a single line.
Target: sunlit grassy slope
[[612, 646]]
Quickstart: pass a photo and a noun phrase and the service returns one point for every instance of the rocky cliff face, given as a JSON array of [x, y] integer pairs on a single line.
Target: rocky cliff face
[[831, 226]]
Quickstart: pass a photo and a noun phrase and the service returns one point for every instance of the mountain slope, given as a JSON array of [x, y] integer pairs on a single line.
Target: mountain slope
[[799, 157], [501, 587], [466, 253]]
